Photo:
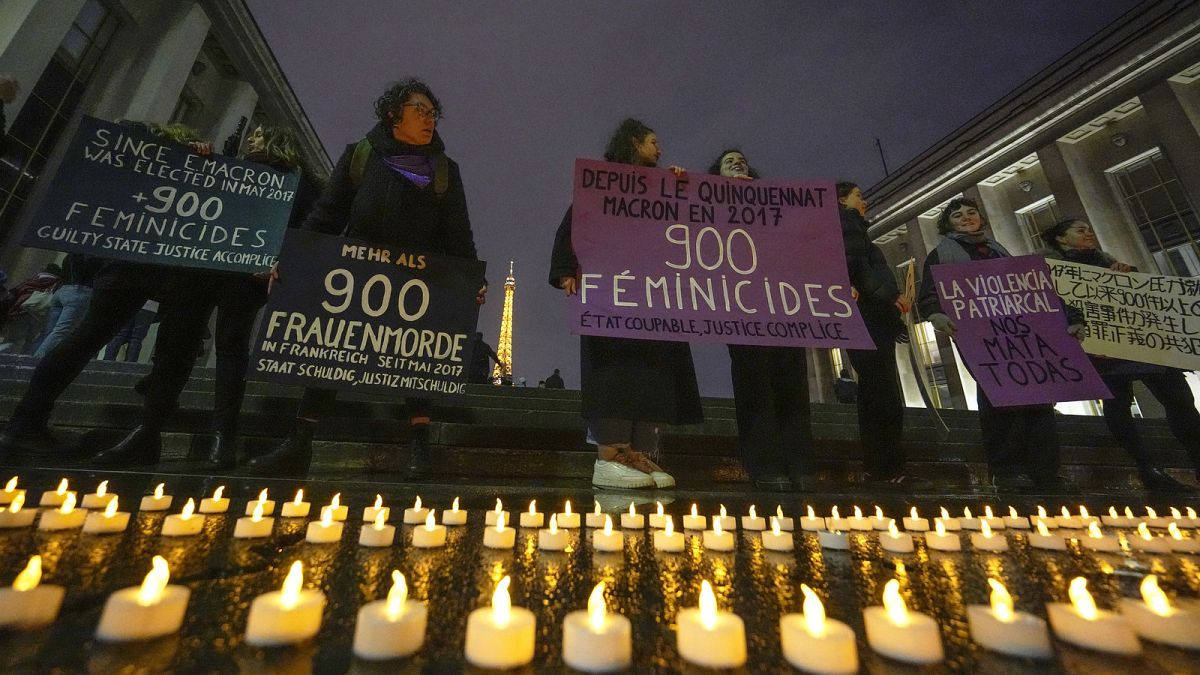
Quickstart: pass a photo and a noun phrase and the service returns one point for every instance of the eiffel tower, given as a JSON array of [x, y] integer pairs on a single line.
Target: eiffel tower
[[502, 373]]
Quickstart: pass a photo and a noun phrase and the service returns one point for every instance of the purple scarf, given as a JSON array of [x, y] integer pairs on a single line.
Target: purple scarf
[[418, 169]]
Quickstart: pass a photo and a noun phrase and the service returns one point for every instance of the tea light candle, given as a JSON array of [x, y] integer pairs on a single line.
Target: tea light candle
[[217, 503], [709, 637], [1144, 541], [56, 497], [727, 521], [415, 515], [986, 540], [28, 603], [879, 522], [632, 520], [1068, 521], [811, 522], [596, 641], [15, 515], [1001, 629], [254, 526], [754, 521], [658, 520], [289, 615], [186, 523], [1156, 620], [499, 536], [566, 519], [532, 518], [1113, 519], [370, 513], [491, 517], [785, 522], [552, 538], [1193, 519], [455, 516], [391, 628], [1097, 541], [1015, 521], [152, 610], [297, 508], [968, 521], [816, 644], [596, 517], [1051, 523], [1179, 544], [858, 522], [1085, 517], [915, 523], [940, 540], [379, 534], [1084, 625], [951, 524], [340, 512], [108, 521], [606, 539], [667, 539], [1044, 540], [835, 522], [897, 633], [896, 541], [1180, 520], [65, 517], [430, 535], [777, 539], [268, 505], [991, 519], [157, 501], [324, 531], [717, 539], [500, 636], [695, 521], [98, 499], [10, 492], [1152, 518], [833, 540]]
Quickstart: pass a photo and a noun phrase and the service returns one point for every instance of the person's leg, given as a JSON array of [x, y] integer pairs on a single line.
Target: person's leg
[[293, 456], [642, 453], [614, 438], [419, 412], [998, 429], [1119, 419], [141, 328], [1172, 391], [794, 412], [756, 411], [119, 339], [1040, 440], [240, 300], [880, 412], [73, 301], [52, 314]]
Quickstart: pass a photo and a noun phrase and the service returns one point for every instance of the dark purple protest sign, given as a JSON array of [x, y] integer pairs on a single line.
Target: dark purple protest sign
[[710, 259], [1012, 332]]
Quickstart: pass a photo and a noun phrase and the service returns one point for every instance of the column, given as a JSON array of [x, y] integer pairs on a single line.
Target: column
[[1002, 219], [30, 32], [820, 375], [239, 102], [1177, 135]]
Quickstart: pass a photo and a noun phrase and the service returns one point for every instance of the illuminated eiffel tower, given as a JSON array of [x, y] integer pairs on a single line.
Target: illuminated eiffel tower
[[502, 373]]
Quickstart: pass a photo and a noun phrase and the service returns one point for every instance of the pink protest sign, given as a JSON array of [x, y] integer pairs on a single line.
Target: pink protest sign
[[710, 259], [1012, 332]]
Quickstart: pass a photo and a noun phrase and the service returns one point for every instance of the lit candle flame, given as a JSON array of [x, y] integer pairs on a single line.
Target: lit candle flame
[[893, 603], [779, 511], [1094, 530], [396, 597], [669, 525], [500, 522], [724, 514], [1065, 512], [1154, 597], [553, 524], [1041, 511], [1191, 513], [327, 516], [533, 506], [753, 513], [811, 513], [878, 512], [567, 507], [1151, 512], [11, 484], [1081, 600], [985, 529], [596, 507], [379, 521], [1173, 530], [111, 509], [299, 497], [717, 526], [499, 505], [262, 496], [155, 582], [29, 577], [660, 509], [1041, 528], [1112, 512], [1144, 532], [430, 521], [68, 504], [987, 512], [632, 510], [1012, 512], [17, 503], [379, 504], [1175, 513], [597, 610], [834, 511], [939, 527], [775, 526], [336, 501], [814, 612], [607, 525], [257, 515], [1002, 602], [158, 491], [912, 513], [501, 603], [62, 487], [708, 606], [857, 512], [102, 488], [454, 506], [417, 504], [945, 513], [289, 595], [188, 509], [218, 492], [892, 531], [967, 512], [1128, 512], [1083, 512]]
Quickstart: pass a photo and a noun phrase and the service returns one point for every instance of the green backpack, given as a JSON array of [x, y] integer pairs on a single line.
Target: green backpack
[[362, 152]]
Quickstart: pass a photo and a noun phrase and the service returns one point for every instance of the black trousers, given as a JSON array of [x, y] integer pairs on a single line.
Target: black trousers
[[880, 410], [1172, 391], [770, 397], [1019, 439]]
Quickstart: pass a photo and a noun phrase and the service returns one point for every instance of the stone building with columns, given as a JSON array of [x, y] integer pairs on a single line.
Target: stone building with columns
[[1109, 133], [203, 63]]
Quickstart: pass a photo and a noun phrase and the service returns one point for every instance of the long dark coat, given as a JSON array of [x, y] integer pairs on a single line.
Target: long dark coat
[[643, 380], [872, 276]]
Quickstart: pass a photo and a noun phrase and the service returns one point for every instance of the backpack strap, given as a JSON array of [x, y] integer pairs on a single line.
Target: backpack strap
[[358, 162]]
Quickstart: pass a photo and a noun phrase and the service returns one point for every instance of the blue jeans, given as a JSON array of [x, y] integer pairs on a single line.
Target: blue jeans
[[67, 308]]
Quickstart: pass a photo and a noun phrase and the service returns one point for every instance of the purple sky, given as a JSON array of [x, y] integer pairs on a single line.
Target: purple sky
[[528, 86]]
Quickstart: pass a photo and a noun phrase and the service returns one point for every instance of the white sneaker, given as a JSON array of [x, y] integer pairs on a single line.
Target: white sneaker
[[617, 475], [662, 479]]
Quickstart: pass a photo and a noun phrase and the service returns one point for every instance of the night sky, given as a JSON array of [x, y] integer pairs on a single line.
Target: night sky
[[528, 86]]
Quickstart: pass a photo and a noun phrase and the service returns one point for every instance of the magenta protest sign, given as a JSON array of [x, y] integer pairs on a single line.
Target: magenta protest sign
[[710, 259], [1012, 332]]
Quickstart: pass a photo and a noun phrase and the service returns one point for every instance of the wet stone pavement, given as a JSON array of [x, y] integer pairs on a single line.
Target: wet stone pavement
[[649, 587]]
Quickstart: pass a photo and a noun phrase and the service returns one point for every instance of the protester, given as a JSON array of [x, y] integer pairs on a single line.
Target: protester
[[1074, 240], [481, 358], [555, 381], [628, 386], [132, 335], [880, 398], [1021, 441], [845, 388], [31, 300], [70, 301], [398, 188]]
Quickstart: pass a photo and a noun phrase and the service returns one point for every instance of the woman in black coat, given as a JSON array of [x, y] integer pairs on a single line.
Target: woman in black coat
[[628, 386]]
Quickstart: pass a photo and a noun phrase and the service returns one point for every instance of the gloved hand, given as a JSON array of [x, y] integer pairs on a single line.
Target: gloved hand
[[943, 324], [1077, 331]]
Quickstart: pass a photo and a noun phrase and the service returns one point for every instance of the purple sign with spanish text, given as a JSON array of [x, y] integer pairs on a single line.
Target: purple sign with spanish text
[[710, 259], [1011, 329]]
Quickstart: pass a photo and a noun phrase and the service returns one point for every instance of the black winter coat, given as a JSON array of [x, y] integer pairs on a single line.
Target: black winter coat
[[642, 380], [872, 276]]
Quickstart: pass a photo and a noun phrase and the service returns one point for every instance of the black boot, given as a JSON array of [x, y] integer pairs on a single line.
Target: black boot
[[418, 453], [142, 446], [222, 455], [17, 440], [289, 458], [1158, 480]]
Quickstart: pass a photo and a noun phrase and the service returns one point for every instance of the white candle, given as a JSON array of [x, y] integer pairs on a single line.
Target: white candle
[[1156, 620], [429, 535], [816, 644], [552, 538], [1043, 539], [728, 523], [596, 517], [1179, 544], [1180, 520], [491, 517], [951, 524], [499, 536], [339, 511], [1098, 541], [596, 641], [254, 526], [324, 531], [98, 499], [835, 522], [500, 636], [217, 503], [1152, 518], [378, 534], [531, 518], [633, 520], [1085, 517], [986, 540], [108, 521], [1001, 629], [668, 539], [567, 519], [717, 539], [915, 523], [879, 522], [370, 513], [1051, 523], [10, 492], [896, 541], [897, 633], [658, 519], [606, 539], [940, 540], [65, 517], [1084, 625], [709, 637], [455, 516], [391, 628], [833, 540], [15, 515], [1144, 541], [754, 521], [268, 505], [1016, 521], [29, 603], [186, 523], [990, 518], [776, 539], [416, 514], [695, 521], [785, 522], [812, 522], [968, 521], [297, 508], [1068, 521], [152, 610], [1114, 519], [287, 616], [157, 501], [55, 498], [858, 522]]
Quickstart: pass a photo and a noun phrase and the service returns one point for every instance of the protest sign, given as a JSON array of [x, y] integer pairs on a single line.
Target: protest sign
[[1140, 317], [355, 317], [124, 193], [710, 259], [1012, 332]]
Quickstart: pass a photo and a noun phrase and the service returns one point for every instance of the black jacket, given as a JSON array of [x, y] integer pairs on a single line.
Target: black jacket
[[873, 278]]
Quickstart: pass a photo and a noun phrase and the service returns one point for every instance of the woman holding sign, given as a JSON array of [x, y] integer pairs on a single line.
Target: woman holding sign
[[1073, 240], [629, 386]]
